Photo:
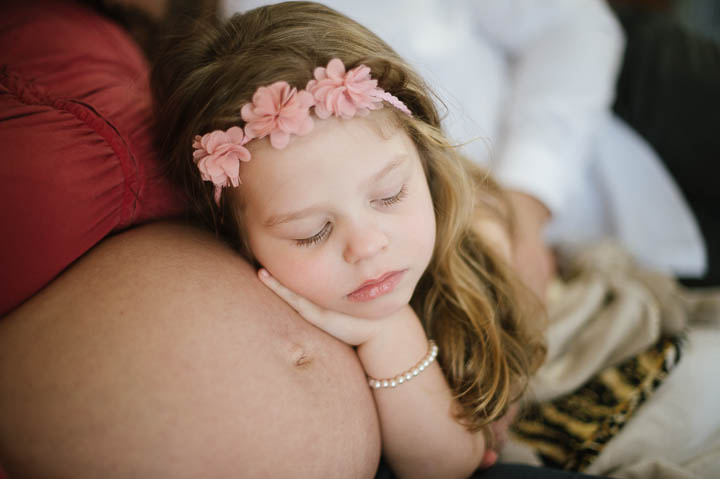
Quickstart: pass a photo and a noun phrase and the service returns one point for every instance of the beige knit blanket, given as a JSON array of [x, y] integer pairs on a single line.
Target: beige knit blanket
[[607, 313]]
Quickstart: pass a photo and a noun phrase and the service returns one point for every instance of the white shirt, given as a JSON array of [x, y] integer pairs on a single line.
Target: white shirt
[[528, 85]]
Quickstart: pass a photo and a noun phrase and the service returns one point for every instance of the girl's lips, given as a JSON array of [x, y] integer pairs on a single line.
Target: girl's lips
[[374, 289]]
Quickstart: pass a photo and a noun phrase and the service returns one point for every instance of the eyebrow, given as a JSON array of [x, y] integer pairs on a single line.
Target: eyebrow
[[275, 220]]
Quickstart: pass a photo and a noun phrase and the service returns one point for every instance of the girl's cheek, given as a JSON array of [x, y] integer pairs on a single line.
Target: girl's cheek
[[310, 279], [423, 227]]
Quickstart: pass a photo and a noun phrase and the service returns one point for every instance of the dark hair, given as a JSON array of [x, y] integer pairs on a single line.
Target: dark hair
[[147, 30]]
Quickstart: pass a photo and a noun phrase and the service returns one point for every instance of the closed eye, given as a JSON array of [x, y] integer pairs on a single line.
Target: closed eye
[[395, 198], [316, 238]]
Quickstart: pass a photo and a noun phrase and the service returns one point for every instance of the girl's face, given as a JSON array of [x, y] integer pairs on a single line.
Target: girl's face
[[342, 216]]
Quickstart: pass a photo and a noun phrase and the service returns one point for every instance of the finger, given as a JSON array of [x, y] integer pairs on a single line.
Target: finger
[[304, 307], [346, 328], [489, 458]]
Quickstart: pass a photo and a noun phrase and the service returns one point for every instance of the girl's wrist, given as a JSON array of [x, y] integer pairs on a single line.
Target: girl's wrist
[[399, 345], [408, 374]]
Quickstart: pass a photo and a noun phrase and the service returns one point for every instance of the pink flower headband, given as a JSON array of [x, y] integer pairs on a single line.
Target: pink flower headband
[[278, 110]]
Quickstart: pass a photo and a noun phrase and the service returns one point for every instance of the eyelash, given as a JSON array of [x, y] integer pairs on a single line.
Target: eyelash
[[395, 198], [325, 231], [315, 238]]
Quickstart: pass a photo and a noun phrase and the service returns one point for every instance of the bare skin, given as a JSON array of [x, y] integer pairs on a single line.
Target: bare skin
[[160, 354], [531, 257]]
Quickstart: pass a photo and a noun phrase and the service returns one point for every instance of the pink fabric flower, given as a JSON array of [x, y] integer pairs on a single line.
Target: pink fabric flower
[[218, 155], [344, 94], [278, 110]]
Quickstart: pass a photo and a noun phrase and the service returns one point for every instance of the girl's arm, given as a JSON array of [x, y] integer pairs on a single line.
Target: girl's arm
[[420, 435]]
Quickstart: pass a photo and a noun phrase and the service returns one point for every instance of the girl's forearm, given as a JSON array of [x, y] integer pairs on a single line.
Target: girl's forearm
[[421, 437]]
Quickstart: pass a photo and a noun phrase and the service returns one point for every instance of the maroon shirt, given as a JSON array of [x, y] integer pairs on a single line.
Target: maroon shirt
[[77, 159]]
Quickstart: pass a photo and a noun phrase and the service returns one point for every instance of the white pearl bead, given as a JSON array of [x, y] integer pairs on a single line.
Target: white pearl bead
[[410, 373]]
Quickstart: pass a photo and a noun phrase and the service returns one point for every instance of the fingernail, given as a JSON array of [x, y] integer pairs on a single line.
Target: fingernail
[[264, 273]]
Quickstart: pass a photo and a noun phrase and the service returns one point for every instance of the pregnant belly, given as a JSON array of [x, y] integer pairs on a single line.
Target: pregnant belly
[[176, 364]]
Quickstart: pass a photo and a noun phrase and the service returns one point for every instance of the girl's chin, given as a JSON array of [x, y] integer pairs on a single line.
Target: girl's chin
[[375, 309]]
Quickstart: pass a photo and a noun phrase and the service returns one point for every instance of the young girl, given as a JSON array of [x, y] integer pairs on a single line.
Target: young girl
[[315, 150]]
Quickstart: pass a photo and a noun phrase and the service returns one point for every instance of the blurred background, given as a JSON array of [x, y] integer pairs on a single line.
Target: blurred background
[[702, 16], [143, 17]]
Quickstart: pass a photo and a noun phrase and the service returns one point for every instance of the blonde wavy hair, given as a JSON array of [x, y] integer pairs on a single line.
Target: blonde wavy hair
[[468, 299]]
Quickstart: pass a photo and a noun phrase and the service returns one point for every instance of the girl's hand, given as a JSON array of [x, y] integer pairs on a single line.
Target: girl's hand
[[500, 433], [348, 329]]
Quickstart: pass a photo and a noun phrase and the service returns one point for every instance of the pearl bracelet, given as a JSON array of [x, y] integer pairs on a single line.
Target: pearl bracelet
[[410, 373]]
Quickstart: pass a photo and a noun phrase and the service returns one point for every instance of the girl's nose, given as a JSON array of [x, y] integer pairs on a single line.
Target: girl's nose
[[364, 243]]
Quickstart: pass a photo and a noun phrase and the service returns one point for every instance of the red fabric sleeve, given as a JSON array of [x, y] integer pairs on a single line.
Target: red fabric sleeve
[[75, 128]]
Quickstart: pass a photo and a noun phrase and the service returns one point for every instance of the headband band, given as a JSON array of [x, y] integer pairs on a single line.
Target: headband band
[[279, 110]]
